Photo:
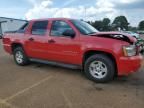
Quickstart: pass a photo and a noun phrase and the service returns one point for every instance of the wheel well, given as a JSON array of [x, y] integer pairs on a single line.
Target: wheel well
[[15, 45], [90, 53]]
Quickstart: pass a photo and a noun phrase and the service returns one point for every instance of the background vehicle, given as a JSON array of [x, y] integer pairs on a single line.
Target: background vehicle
[[136, 35], [75, 44], [141, 33]]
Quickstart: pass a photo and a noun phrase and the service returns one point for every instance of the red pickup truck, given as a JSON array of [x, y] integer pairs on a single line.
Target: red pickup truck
[[75, 44]]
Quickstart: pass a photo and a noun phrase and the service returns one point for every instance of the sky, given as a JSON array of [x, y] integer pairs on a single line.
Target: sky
[[89, 10]]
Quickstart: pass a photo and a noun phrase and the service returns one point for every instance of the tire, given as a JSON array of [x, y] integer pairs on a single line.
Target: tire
[[20, 57], [99, 68]]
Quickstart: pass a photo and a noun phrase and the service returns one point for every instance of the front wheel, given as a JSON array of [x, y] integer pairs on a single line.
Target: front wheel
[[99, 68], [20, 56]]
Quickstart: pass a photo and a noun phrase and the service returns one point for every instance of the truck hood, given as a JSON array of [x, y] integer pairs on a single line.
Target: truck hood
[[116, 35]]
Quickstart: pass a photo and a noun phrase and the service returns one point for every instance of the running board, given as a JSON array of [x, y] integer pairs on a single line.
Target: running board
[[70, 66]]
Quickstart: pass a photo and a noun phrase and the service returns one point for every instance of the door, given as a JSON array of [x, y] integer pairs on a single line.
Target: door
[[63, 48], [37, 40]]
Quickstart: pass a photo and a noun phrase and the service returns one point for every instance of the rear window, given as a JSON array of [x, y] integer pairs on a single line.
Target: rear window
[[39, 27], [23, 28]]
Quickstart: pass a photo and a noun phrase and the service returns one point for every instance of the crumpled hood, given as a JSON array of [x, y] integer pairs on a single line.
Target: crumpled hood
[[116, 35]]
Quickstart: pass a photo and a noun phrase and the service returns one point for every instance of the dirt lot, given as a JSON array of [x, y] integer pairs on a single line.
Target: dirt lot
[[44, 86]]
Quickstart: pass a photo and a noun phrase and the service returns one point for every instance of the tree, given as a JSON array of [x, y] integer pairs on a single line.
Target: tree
[[120, 22], [141, 25], [98, 25], [106, 24], [134, 29]]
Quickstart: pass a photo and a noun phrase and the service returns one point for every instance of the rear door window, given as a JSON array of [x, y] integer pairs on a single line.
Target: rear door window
[[39, 27]]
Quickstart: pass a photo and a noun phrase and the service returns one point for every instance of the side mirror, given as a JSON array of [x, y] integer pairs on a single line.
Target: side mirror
[[69, 33]]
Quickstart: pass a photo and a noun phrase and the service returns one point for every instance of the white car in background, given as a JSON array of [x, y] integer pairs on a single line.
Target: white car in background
[[136, 35]]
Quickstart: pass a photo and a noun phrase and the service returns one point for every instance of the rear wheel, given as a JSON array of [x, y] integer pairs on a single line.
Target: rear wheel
[[20, 56], [99, 68]]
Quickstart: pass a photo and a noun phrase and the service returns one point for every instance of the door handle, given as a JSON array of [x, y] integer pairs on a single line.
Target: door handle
[[51, 41], [31, 39]]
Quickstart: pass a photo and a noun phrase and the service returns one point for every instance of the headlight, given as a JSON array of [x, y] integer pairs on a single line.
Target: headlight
[[130, 50]]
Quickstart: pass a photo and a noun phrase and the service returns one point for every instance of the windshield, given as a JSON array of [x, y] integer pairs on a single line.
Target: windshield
[[84, 27]]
